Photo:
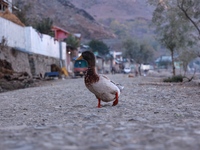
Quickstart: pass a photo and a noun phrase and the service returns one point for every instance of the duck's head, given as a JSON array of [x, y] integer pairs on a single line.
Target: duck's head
[[89, 57]]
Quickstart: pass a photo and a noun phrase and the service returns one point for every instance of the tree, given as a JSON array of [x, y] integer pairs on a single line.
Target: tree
[[72, 41], [188, 12], [139, 52], [131, 50], [186, 57], [147, 52], [99, 46], [172, 30], [191, 10], [119, 29]]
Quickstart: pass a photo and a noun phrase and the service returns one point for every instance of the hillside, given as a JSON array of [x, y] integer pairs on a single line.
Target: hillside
[[65, 15], [108, 20], [123, 17], [92, 18], [119, 9], [126, 18]]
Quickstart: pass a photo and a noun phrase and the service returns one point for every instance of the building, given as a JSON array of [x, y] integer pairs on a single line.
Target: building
[[5, 4], [34, 52], [59, 33], [71, 53]]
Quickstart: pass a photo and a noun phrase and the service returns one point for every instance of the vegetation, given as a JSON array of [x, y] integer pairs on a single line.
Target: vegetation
[[137, 28], [72, 41], [3, 43], [168, 30], [139, 52], [191, 11], [177, 78], [99, 46], [22, 13], [44, 26], [186, 57], [175, 22]]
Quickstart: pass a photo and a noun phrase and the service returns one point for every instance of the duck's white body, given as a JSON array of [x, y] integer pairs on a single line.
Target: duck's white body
[[100, 85], [104, 89]]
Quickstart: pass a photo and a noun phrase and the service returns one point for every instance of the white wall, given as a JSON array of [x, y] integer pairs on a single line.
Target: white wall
[[43, 44], [28, 40], [12, 32]]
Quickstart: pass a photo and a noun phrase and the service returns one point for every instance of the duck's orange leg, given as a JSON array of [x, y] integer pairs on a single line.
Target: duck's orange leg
[[116, 100], [99, 103]]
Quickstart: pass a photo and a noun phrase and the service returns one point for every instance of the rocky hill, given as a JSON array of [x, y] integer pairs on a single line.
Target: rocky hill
[[119, 9], [65, 15], [91, 18]]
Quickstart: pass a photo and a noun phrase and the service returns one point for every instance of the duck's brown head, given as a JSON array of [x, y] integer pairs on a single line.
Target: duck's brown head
[[89, 57]]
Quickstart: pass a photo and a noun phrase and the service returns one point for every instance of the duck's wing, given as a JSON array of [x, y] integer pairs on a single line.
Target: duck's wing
[[104, 76], [117, 84]]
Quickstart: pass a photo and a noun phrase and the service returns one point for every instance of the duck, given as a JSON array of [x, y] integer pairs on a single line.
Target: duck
[[100, 85]]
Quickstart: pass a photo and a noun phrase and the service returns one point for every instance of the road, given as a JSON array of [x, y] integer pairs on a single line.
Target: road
[[62, 115]]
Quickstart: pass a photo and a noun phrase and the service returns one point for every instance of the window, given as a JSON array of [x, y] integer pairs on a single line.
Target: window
[[3, 5]]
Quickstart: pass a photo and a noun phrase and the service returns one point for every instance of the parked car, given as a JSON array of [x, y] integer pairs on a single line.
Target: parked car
[[80, 67], [127, 70]]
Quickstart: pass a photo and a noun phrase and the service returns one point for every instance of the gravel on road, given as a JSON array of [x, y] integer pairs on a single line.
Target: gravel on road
[[62, 115]]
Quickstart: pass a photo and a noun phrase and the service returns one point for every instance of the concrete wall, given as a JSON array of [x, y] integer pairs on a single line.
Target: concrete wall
[[28, 50], [33, 64], [27, 39], [13, 33], [42, 44], [19, 60]]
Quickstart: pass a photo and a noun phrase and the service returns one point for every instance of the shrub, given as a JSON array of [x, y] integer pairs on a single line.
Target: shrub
[[177, 78]]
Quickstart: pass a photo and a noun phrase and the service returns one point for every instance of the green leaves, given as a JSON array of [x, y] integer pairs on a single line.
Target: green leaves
[[175, 21], [140, 52], [99, 46], [72, 41], [44, 26]]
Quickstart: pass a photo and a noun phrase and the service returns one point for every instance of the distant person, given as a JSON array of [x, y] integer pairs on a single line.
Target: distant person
[[145, 72], [113, 70]]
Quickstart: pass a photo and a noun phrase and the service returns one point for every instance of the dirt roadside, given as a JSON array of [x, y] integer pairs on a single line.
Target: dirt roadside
[[62, 115]]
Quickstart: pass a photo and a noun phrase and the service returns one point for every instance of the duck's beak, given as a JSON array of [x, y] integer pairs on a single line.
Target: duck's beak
[[80, 57]]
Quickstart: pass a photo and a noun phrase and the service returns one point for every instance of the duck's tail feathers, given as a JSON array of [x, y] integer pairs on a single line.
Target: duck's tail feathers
[[120, 87]]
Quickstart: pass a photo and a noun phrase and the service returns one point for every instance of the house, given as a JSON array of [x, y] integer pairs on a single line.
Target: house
[[34, 52], [6, 12], [163, 62], [71, 53], [11, 17], [5, 4], [59, 33]]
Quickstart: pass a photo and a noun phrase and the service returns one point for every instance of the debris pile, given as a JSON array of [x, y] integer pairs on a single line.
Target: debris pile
[[55, 68], [9, 16], [11, 80]]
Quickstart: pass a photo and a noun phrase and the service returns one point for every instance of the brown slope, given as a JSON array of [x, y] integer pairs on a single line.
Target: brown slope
[[9, 16], [67, 16], [118, 9]]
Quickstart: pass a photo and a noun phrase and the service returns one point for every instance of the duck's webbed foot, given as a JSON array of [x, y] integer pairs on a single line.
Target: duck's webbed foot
[[116, 100]]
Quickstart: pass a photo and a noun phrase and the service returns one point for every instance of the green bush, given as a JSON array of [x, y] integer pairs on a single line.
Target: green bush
[[177, 78]]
